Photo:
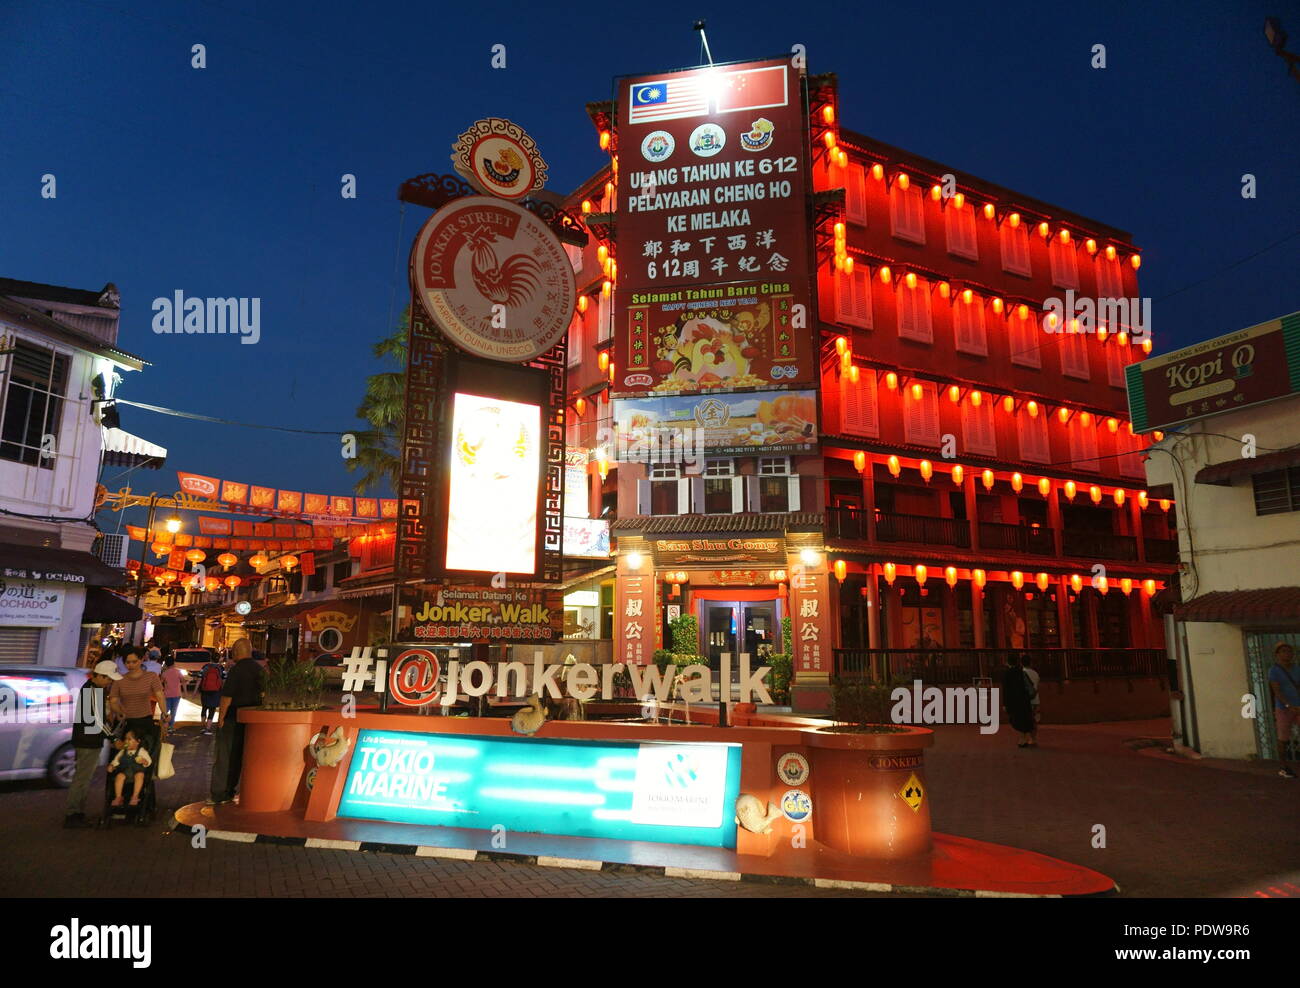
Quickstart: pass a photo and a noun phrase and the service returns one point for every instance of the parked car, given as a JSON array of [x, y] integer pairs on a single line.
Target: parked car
[[37, 708]]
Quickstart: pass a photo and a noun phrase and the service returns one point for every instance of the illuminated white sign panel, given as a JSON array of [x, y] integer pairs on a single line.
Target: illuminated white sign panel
[[495, 466]]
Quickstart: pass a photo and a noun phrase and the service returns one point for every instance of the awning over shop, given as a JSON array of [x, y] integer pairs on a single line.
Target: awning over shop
[[106, 607], [121, 449], [29, 562], [794, 521], [283, 612], [1237, 606], [1223, 474], [573, 579]]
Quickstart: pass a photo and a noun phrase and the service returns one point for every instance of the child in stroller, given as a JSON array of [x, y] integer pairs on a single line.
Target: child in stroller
[[137, 748]]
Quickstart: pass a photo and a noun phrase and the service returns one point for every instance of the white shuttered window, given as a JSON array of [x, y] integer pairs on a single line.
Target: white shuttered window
[[921, 418], [1015, 247], [1034, 444], [855, 194], [907, 213], [1024, 340], [1074, 354], [1083, 445], [853, 297], [960, 227], [977, 431], [859, 415], [914, 311], [1065, 270], [968, 326], [1109, 282]]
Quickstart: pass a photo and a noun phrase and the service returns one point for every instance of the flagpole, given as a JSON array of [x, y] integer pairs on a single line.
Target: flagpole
[[704, 38]]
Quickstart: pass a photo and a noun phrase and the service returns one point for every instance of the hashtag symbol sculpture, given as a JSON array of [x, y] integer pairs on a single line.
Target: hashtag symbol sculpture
[[357, 669]]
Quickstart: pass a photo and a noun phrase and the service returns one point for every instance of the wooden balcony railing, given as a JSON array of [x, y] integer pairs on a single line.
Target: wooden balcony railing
[[922, 529], [1017, 538], [1098, 545], [1161, 550], [846, 523], [957, 666]]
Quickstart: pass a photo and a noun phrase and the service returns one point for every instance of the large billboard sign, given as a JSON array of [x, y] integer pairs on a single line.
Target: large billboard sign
[[665, 793], [782, 422], [713, 283], [1241, 369]]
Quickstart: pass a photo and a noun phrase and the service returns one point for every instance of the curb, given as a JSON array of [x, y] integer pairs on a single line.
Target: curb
[[586, 864]]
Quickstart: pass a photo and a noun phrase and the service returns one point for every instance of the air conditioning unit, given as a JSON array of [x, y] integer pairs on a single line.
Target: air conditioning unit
[[112, 550]]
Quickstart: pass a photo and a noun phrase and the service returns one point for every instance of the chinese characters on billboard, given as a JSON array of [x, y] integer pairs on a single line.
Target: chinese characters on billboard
[[712, 232]]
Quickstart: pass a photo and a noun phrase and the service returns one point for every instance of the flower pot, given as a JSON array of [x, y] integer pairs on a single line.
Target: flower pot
[[275, 759]]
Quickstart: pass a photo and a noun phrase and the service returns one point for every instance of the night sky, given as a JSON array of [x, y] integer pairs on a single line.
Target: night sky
[[225, 181]]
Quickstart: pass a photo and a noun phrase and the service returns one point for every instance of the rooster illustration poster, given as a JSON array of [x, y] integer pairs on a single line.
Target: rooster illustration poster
[[495, 278], [495, 463]]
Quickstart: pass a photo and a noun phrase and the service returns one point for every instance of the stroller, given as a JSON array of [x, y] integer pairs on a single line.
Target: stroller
[[143, 812]]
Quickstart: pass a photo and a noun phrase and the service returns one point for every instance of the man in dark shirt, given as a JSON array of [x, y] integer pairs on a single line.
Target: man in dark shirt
[[88, 736], [243, 689]]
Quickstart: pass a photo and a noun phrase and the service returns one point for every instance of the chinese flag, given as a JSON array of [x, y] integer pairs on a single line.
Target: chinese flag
[[367, 507], [341, 506], [176, 560], [752, 89], [290, 501], [263, 497], [317, 504], [387, 508], [233, 493]]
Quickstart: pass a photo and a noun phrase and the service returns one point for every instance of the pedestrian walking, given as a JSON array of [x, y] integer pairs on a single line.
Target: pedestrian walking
[[1285, 684], [89, 732], [243, 688], [211, 678], [1016, 700], [172, 680], [1031, 674]]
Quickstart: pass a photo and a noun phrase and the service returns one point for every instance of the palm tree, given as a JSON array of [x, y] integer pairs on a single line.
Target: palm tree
[[383, 409]]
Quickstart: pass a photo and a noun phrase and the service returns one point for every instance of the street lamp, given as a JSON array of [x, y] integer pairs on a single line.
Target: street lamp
[[173, 524]]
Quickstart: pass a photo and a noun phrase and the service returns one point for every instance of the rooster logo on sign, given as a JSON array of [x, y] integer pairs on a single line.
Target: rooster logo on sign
[[511, 282]]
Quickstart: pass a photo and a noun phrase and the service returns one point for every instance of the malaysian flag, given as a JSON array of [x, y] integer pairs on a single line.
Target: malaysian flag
[[668, 99]]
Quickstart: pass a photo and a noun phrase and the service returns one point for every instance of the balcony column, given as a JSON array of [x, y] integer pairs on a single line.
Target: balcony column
[[1054, 520], [1063, 606], [873, 607], [977, 613], [972, 509], [869, 498], [1135, 513]]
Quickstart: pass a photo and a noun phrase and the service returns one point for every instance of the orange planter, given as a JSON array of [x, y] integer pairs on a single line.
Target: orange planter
[[275, 759], [870, 797]]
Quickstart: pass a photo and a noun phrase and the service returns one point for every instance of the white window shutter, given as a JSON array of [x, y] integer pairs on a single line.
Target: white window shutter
[[1065, 272], [858, 405], [1115, 365], [861, 281], [684, 495], [793, 483], [959, 224], [1074, 355], [843, 297], [604, 325], [1034, 444], [575, 340], [1109, 283], [977, 429], [855, 195], [1025, 350], [643, 497]]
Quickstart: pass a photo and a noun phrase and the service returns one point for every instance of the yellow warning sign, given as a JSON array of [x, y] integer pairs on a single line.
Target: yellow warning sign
[[913, 792]]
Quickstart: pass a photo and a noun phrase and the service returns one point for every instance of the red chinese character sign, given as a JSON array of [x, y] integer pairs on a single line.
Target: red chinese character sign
[[713, 284], [811, 628]]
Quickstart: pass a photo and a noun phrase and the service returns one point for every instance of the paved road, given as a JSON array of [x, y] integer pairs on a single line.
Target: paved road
[[1171, 829]]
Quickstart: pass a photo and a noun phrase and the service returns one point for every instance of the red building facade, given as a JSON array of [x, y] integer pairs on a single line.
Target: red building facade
[[976, 487]]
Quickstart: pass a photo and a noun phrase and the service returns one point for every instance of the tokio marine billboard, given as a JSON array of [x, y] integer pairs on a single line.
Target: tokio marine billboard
[[713, 284]]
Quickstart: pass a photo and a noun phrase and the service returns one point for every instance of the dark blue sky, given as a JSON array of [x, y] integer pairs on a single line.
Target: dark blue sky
[[225, 181]]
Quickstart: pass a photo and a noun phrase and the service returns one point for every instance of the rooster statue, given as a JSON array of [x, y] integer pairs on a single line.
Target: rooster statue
[[530, 718], [510, 283], [749, 812]]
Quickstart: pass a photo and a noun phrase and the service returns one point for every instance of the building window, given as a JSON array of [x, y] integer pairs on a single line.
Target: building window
[[604, 318], [664, 483], [1034, 444], [1065, 270], [921, 418], [1074, 355], [1109, 282], [853, 297], [968, 327], [1277, 492], [1083, 446], [719, 487], [341, 572], [914, 312], [1131, 462], [1025, 349], [1115, 365], [960, 226], [1015, 248], [33, 404], [575, 339], [855, 195], [858, 411], [907, 213], [776, 484], [316, 582], [978, 434]]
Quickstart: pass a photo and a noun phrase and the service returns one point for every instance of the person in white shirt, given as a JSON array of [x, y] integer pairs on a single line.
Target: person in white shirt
[[1032, 675]]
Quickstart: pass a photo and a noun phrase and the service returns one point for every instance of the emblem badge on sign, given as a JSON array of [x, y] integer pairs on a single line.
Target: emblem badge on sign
[[658, 146], [499, 158], [792, 768], [759, 135], [479, 253], [796, 805], [708, 139]]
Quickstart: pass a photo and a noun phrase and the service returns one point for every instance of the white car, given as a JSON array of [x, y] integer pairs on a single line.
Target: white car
[[37, 709]]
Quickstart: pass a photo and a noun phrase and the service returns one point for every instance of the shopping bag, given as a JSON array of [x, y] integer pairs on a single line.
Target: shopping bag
[[165, 768]]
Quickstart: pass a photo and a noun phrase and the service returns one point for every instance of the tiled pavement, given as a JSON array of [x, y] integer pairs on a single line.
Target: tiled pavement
[[1171, 829]]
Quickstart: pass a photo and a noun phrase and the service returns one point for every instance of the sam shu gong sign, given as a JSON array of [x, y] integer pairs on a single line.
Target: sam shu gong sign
[[1245, 368]]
